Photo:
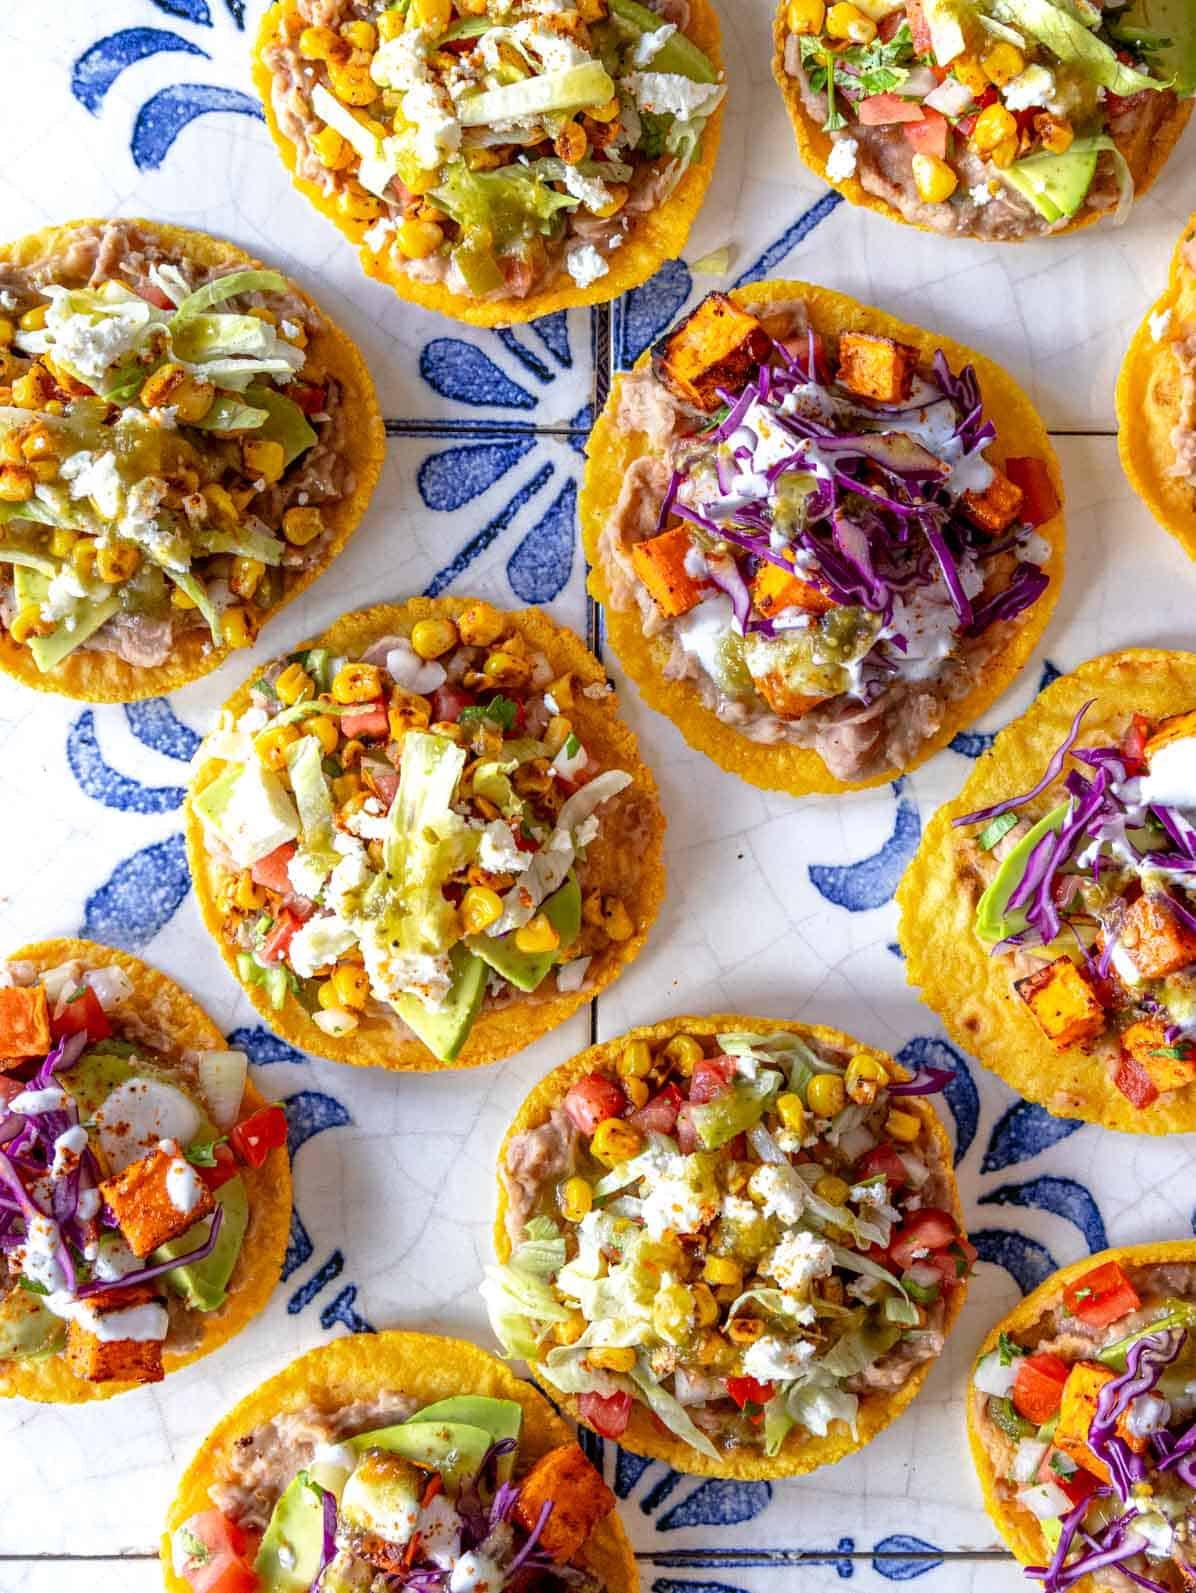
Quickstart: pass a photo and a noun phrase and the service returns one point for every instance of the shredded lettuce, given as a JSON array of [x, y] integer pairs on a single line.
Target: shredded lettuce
[[668, 1410], [508, 204], [231, 414], [1068, 38], [515, 1301], [542, 1253], [735, 1110], [659, 1150], [227, 287], [860, 1347]]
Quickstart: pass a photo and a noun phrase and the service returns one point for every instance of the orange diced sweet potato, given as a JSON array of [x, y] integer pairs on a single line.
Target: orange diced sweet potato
[[774, 589], [1177, 728], [1146, 1042], [994, 508], [1155, 938], [24, 1024], [1076, 1413], [104, 1360], [719, 345], [140, 1200], [780, 696], [876, 367], [580, 1500], [660, 565], [1063, 1002]]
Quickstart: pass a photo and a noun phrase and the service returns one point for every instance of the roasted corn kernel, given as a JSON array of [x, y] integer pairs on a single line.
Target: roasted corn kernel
[[34, 320], [40, 442], [28, 622], [479, 625], [1002, 62], [723, 1272], [351, 83], [705, 1305], [967, 70], [83, 558], [673, 1312], [615, 1141], [294, 685], [271, 745], [637, 1092], [16, 483], [33, 390], [480, 907], [903, 1126], [245, 577], [684, 1053], [864, 1078], [744, 1330], [418, 239], [805, 16], [320, 44], [264, 458], [791, 1112], [433, 638], [847, 22], [611, 1358], [301, 526], [832, 1189], [574, 1325], [635, 1060], [352, 985], [247, 894], [357, 683], [826, 1095], [117, 562], [538, 934], [576, 1198], [933, 178], [360, 36], [995, 135], [407, 711], [505, 669], [324, 728]]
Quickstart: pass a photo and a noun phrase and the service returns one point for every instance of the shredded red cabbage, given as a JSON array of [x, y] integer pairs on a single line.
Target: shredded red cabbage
[[144, 1275], [927, 1081], [1050, 774], [1145, 1364]]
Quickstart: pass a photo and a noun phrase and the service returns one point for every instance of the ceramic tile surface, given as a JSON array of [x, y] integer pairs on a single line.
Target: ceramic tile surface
[[144, 107]]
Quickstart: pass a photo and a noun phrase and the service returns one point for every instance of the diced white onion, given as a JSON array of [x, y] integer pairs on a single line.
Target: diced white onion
[[950, 98], [411, 671], [857, 1142], [1027, 1459], [918, 84], [336, 1021], [1044, 1502], [992, 1378], [111, 986], [571, 975], [222, 1084], [765, 1147], [917, 1172]]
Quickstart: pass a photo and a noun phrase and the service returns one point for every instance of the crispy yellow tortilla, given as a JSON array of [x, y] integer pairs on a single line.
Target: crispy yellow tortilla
[[971, 991], [657, 237], [1146, 155], [93, 676], [634, 872], [1148, 404], [424, 1367], [799, 770], [165, 1006], [645, 1435], [1021, 1532]]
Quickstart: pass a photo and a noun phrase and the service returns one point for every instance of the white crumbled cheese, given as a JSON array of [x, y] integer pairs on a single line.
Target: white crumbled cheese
[[378, 236], [440, 1532], [556, 52], [585, 264], [349, 876], [498, 851], [320, 941], [841, 161], [475, 1572], [651, 44], [981, 194], [670, 94], [437, 130], [91, 345], [872, 1194], [1172, 778], [1034, 86], [1160, 324], [1158, 1532], [95, 476], [68, 1148], [798, 1260], [736, 1209], [307, 874], [591, 191], [64, 593], [673, 1205], [775, 1359], [139, 523], [184, 1187], [394, 973], [8, 299], [38, 1256], [402, 62], [780, 1191], [27, 1102]]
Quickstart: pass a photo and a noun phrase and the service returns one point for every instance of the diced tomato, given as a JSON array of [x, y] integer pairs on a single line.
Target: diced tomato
[[1079, 1486], [1101, 1296], [448, 701], [212, 1558], [1038, 1387], [592, 1100], [737, 1148], [930, 1229], [687, 1134], [882, 1159], [280, 935], [929, 136], [919, 27], [227, 1166], [82, 1013], [1040, 501], [255, 1137], [368, 720], [310, 397], [966, 125], [382, 779], [659, 1115], [1134, 1082], [607, 1414], [154, 296], [881, 110], [271, 870], [748, 1392], [888, 27], [711, 1077], [1133, 744]]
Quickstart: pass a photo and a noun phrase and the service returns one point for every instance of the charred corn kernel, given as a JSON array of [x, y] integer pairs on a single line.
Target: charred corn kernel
[[832, 1189], [390, 25], [994, 126], [826, 1095], [558, 732], [34, 320], [591, 10], [616, 921], [301, 526], [745, 1330], [245, 577], [351, 83], [331, 150], [361, 35], [83, 558], [673, 1311], [264, 458], [791, 1112], [617, 193], [505, 669], [561, 691], [903, 1126], [219, 503], [805, 16], [683, 1052], [418, 239], [933, 178], [737, 1175], [33, 390], [450, 731], [433, 638], [968, 70], [571, 143], [435, 15], [615, 1141], [538, 934], [62, 542], [864, 1078], [479, 624], [635, 1060], [16, 483], [345, 787], [44, 469], [247, 894], [705, 1305], [407, 711], [577, 1197], [161, 387], [607, 112], [357, 683], [478, 159], [320, 44], [7, 332], [352, 985], [295, 685], [1002, 62], [1054, 132], [238, 627], [179, 599], [327, 997], [27, 622], [118, 561], [848, 22], [271, 745], [480, 907], [636, 1092], [323, 727], [40, 442], [193, 400], [574, 1325], [611, 1358], [723, 1272], [713, 1350]]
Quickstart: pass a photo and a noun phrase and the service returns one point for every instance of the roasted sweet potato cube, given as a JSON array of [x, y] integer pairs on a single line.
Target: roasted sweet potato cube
[[1063, 1002], [1076, 1412], [1177, 728], [140, 1199], [780, 696], [876, 367], [719, 345], [996, 507], [660, 565], [774, 589], [24, 1024], [121, 1360], [579, 1498], [1155, 939], [1170, 1066]]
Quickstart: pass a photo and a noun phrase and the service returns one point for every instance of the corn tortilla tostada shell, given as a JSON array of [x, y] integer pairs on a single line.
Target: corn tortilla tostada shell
[[645, 1436], [268, 1187], [1021, 1532], [94, 676], [1149, 403], [657, 237], [424, 1367], [799, 770], [638, 875], [1146, 155], [970, 990]]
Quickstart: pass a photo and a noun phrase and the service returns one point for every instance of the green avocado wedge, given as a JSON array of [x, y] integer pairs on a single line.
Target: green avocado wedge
[[27, 1329], [1056, 185], [1164, 31], [292, 1550], [993, 919], [454, 1449], [204, 1284], [445, 1030], [526, 970], [501, 1418]]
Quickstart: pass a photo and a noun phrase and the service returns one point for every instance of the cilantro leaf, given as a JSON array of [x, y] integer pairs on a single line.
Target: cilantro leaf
[[31, 1285], [203, 1152], [500, 710], [197, 1551], [877, 67], [820, 64], [1008, 1350]]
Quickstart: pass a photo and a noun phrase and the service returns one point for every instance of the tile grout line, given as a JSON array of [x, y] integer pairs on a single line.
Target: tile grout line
[[498, 427]]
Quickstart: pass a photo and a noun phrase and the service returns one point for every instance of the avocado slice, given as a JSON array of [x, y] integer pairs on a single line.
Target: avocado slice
[[48, 651], [454, 1449], [1162, 30], [501, 1418], [1056, 185], [203, 1284], [293, 1547], [27, 1329], [679, 54], [993, 921], [446, 1030], [527, 969]]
